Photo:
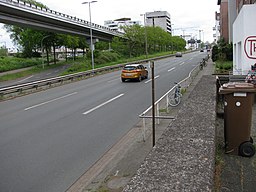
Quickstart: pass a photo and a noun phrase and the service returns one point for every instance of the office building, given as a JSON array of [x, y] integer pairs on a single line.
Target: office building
[[117, 24], [159, 18]]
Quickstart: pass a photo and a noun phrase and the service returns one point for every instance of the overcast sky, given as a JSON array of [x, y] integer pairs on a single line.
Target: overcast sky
[[191, 15]]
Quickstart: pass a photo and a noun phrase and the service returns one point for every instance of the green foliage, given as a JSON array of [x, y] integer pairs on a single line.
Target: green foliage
[[223, 51], [215, 53], [3, 52], [157, 41], [223, 66], [11, 63], [106, 57]]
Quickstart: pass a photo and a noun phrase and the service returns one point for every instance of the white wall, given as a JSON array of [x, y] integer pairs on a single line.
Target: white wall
[[244, 40]]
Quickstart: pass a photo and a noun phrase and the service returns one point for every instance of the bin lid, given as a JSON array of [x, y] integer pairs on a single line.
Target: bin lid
[[232, 87]]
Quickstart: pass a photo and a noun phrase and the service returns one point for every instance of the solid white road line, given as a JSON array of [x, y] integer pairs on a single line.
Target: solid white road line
[[97, 107], [25, 79], [171, 69], [50, 101], [151, 79]]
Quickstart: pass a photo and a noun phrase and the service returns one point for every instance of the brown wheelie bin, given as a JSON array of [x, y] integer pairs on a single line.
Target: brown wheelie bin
[[238, 102]]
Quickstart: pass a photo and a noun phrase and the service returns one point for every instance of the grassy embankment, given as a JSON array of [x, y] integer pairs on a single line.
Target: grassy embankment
[[77, 65]]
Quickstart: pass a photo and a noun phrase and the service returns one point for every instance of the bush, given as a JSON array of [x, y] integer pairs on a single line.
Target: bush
[[12, 63], [223, 66], [215, 53], [106, 57]]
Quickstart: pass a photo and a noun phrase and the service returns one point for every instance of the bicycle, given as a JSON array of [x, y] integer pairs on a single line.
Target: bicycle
[[201, 66], [175, 97]]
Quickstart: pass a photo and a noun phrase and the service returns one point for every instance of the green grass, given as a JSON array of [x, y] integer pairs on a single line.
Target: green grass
[[223, 66], [12, 63], [79, 65], [33, 70]]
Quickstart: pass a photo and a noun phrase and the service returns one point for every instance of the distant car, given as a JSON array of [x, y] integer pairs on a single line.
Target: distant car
[[134, 72], [178, 54], [201, 50]]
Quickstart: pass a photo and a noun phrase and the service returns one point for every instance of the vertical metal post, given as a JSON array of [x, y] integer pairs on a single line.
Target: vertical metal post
[[153, 102], [167, 103], [92, 47], [144, 129], [158, 113], [146, 38]]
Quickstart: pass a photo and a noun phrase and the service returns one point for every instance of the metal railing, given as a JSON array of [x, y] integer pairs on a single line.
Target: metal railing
[[55, 14], [163, 102], [25, 88]]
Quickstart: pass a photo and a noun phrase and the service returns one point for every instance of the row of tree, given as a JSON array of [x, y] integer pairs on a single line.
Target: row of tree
[[137, 40]]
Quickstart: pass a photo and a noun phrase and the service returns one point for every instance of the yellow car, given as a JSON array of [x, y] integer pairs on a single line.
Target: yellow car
[[134, 72]]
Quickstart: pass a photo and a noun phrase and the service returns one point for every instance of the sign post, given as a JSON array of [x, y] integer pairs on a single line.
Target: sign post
[[153, 101]]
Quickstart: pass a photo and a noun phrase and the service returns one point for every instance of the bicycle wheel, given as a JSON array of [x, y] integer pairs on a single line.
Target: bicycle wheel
[[174, 99]]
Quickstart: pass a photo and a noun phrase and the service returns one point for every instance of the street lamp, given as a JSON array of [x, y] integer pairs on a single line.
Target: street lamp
[[146, 40], [92, 49]]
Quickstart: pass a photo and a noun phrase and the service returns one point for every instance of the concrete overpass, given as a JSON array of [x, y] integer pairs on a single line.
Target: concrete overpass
[[16, 12]]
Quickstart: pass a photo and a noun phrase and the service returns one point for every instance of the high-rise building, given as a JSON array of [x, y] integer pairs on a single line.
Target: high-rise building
[[159, 18], [117, 24]]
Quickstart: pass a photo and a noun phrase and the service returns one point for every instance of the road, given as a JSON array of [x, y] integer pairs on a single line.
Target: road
[[49, 139]]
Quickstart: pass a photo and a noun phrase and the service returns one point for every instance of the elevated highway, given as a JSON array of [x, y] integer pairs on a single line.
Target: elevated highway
[[16, 12]]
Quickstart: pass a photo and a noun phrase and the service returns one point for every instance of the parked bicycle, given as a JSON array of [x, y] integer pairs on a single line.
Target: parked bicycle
[[175, 97], [201, 65]]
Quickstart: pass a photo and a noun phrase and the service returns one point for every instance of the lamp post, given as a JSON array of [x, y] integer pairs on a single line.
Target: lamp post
[[92, 49], [200, 38], [146, 39]]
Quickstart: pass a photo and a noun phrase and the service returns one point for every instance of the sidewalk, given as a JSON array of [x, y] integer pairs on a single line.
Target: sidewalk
[[162, 169], [184, 157], [235, 173], [160, 173]]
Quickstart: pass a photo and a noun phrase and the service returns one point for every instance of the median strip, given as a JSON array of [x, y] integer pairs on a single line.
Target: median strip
[[101, 105]]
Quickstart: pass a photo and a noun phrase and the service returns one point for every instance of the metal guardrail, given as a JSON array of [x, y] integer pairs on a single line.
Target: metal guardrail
[[25, 88], [55, 14], [162, 103]]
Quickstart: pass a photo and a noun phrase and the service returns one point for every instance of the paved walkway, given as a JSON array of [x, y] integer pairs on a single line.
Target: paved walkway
[[235, 173], [184, 156], [160, 173]]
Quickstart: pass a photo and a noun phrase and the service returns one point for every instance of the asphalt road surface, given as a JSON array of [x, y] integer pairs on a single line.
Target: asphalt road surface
[[49, 139]]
